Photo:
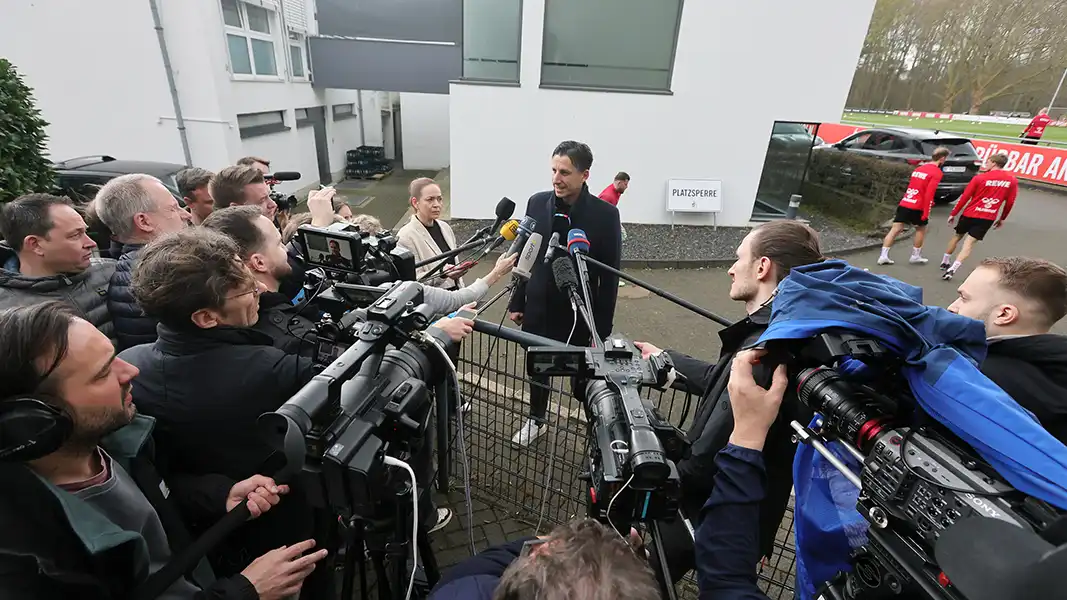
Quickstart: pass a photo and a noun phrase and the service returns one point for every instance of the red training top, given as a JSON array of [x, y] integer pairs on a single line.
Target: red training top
[[1037, 126], [921, 188], [985, 193], [610, 195]]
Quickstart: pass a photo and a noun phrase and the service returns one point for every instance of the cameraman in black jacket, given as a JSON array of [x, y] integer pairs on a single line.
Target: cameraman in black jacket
[[86, 515], [764, 258]]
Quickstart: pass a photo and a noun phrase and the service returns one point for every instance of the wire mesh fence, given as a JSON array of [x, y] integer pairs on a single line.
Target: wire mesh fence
[[539, 483]]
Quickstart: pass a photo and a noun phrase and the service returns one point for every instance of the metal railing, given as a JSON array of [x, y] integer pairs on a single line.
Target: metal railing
[[539, 484]]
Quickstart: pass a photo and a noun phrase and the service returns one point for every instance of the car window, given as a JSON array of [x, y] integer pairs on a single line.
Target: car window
[[960, 148], [81, 187], [858, 141], [789, 128]]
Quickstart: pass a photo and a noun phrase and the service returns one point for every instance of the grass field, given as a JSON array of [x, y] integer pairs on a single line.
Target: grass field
[[1053, 134]]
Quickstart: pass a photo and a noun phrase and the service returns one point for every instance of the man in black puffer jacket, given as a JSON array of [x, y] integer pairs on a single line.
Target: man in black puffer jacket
[[1019, 300], [49, 256], [137, 209]]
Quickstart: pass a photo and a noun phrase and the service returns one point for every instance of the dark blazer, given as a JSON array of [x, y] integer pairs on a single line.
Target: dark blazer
[[546, 309]]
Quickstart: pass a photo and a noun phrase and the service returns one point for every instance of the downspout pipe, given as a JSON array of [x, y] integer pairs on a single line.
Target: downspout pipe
[[157, 23]]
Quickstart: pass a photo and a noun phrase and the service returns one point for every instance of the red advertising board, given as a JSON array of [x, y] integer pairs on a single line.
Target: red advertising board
[[1036, 163]]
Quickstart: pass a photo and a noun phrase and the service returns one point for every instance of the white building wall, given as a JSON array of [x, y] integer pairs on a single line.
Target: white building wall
[[739, 66], [99, 80], [425, 127]]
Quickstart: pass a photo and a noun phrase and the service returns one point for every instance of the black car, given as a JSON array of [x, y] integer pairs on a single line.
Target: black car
[[914, 146], [79, 178]]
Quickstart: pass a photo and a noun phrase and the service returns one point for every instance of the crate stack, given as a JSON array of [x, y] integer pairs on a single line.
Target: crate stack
[[367, 162]]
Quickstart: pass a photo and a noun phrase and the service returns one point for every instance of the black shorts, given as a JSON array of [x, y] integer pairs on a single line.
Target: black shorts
[[976, 228], [911, 216]]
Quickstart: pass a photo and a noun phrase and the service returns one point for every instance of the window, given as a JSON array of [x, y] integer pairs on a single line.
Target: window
[[261, 123], [491, 38], [302, 117], [343, 111], [296, 56], [249, 38], [857, 141], [610, 44]]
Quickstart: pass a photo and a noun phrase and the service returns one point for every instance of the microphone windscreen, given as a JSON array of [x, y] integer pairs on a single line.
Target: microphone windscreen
[[505, 208], [577, 242], [561, 223], [528, 258], [509, 230], [564, 275], [527, 225], [284, 176]]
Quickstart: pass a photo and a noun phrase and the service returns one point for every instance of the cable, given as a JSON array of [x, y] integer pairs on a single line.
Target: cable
[[396, 462], [462, 443], [612, 503], [904, 457], [552, 455]]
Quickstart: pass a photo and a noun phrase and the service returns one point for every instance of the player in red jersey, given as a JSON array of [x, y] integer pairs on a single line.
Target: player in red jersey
[[1033, 132], [914, 208], [980, 203]]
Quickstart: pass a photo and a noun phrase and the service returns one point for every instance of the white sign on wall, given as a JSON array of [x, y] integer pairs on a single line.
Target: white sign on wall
[[694, 195]]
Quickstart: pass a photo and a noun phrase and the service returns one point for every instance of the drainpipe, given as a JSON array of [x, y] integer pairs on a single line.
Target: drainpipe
[[170, 81], [362, 127]]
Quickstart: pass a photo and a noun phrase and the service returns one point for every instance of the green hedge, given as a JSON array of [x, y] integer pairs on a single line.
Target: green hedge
[[23, 167], [858, 191]]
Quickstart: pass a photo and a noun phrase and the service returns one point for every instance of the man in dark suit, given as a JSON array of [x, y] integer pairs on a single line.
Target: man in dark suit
[[538, 305]]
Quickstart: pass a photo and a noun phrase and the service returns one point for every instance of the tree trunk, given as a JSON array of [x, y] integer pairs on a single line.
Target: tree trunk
[[977, 99]]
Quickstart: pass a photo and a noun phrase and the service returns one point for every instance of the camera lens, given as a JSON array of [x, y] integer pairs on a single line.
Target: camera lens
[[852, 411]]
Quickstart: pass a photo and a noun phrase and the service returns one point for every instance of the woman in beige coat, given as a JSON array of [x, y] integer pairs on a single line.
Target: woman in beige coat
[[426, 235]]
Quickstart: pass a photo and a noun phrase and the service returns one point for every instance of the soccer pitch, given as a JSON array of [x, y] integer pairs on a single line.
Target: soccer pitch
[[978, 130]]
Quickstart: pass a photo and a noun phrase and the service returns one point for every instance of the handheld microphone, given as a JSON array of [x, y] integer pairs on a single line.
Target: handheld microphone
[[526, 229], [578, 246], [508, 231], [504, 209], [283, 176], [553, 244], [577, 242], [528, 258]]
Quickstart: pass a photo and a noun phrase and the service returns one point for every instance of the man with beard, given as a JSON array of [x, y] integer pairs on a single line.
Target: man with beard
[[83, 513], [1019, 300], [764, 258]]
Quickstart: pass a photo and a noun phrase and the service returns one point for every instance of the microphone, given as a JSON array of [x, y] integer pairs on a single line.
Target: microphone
[[526, 229], [578, 246], [577, 242], [553, 244], [528, 258], [508, 231], [567, 282], [283, 176], [504, 209]]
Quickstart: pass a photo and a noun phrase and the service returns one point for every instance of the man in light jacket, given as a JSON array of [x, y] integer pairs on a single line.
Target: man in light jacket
[[426, 235]]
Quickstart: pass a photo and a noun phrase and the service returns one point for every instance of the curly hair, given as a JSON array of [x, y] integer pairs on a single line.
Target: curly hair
[[187, 271], [582, 559]]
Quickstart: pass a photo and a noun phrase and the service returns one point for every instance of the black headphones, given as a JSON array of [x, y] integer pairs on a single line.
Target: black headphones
[[31, 428]]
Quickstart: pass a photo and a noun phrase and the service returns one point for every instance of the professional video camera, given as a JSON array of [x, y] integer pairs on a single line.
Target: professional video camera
[[345, 431], [918, 478], [285, 203]]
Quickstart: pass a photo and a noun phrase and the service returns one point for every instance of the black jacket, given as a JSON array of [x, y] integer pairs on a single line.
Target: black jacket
[[1033, 370], [713, 423], [132, 326], [45, 532], [206, 388], [286, 324], [85, 291], [547, 311]]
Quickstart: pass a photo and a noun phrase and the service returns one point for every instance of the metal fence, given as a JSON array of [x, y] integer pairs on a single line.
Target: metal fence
[[539, 484]]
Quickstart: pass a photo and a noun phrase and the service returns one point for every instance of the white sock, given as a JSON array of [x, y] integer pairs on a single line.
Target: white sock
[[946, 259], [916, 252], [885, 252], [955, 266]]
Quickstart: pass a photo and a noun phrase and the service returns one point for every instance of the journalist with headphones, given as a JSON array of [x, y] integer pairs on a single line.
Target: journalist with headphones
[[83, 512]]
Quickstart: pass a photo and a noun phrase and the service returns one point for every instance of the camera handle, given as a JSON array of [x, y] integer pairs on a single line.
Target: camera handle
[[807, 436]]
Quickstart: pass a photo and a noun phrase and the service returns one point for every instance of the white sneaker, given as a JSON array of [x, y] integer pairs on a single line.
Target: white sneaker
[[885, 260], [918, 260], [529, 432]]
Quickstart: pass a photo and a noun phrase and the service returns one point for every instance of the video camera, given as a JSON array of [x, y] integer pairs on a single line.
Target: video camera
[[285, 203], [633, 450], [918, 478]]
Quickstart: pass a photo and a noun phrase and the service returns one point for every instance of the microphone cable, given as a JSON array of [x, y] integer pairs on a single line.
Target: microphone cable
[[552, 454], [396, 462]]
